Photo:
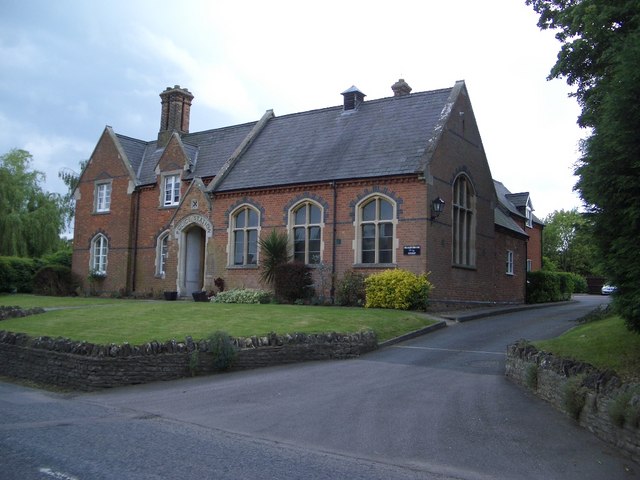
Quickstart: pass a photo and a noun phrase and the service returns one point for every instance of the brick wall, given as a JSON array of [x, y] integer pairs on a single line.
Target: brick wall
[[106, 164], [133, 240]]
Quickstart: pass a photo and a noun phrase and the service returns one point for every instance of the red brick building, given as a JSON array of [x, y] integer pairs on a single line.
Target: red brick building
[[356, 187]]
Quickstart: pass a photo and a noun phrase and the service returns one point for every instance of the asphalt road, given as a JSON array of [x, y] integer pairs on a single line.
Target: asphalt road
[[435, 407]]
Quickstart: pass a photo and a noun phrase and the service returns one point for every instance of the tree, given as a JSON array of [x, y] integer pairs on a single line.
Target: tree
[[568, 242], [31, 219], [600, 57], [70, 178]]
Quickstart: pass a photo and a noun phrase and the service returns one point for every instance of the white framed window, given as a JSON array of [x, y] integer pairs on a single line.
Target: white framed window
[[103, 197], [162, 253], [529, 215], [376, 222], [306, 218], [509, 262], [171, 190], [244, 228], [464, 222], [529, 265], [99, 252]]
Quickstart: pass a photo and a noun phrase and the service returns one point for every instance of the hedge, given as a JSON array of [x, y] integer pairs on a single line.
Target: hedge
[[16, 274], [544, 286]]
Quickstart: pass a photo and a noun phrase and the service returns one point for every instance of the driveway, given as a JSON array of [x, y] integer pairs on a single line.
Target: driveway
[[437, 406]]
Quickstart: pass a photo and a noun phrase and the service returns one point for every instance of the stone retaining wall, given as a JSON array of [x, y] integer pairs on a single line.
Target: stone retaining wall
[[558, 380], [86, 366]]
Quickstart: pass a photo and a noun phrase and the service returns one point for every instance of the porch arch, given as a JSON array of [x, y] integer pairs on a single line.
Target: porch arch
[[192, 234]]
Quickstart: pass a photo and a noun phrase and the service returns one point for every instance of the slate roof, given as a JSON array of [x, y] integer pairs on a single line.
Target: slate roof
[[504, 220], [381, 137], [510, 202], [503, 197], [207, 151]]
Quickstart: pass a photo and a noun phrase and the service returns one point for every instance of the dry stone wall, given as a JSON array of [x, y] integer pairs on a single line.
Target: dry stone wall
[[591, 396], [86, 366]]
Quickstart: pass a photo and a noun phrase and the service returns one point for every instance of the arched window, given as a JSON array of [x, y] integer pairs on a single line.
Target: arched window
[[162, 252], [244, 236], [376, 224], [307, 232], [464, 222], [99, 252]]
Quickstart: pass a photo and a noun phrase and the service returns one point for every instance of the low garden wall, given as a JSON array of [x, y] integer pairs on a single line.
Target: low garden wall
[[86, 366], [597, 400]]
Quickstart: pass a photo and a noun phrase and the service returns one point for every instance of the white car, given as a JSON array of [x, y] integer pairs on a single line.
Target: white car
[[608, 289]]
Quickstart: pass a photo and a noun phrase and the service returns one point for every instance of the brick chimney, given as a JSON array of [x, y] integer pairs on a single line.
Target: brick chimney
[[401, 88], [176, 107], [352, 98]]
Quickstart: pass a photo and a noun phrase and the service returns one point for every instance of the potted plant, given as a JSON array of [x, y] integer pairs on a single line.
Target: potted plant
[[170, 295]]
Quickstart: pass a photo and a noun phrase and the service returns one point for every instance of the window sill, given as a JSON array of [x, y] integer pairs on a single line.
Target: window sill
[[375, 265], [465, 267], [242, 267], [103, 212]]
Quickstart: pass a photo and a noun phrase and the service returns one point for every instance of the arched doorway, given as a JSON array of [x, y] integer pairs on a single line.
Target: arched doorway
[[194, 246]]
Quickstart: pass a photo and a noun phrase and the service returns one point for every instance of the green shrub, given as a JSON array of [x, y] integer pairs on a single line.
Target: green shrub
[[545, 286], [531, 377], [16, 274], [579, 283], [574, 397], [61, 257], [397, 289], [275, 252], [223, 350], [242, 295], [625, 408], [194, 361], [350, 291], [55, 280], [293, 282]]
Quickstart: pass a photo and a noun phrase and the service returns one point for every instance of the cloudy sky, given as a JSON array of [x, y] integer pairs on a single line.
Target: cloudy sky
[[70, 67]]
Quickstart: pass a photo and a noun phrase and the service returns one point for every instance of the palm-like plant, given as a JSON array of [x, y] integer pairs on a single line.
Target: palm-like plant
[[275, 251]]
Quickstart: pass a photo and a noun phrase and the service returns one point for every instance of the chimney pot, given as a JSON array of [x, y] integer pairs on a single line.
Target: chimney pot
[[401, 88]]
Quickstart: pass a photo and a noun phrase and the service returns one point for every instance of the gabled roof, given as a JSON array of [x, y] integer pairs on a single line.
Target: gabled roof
[[381, 137], [515, 203], [520, 200], [384, 137], [504, 220], [207, 151]]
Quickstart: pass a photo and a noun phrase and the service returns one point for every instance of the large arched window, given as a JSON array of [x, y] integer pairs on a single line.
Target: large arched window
[[464, 222], [162, 252], [306, 218], [99, 252], [244, 236], [376, 224]]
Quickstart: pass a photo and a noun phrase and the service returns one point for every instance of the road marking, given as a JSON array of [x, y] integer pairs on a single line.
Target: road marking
[[58, 475], [448, 350]]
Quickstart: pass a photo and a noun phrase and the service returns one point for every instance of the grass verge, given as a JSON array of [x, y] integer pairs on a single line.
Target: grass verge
[[107, 321], [605, 344]]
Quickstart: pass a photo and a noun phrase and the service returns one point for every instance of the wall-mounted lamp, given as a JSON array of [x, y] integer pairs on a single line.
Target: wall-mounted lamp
[[437, 207]]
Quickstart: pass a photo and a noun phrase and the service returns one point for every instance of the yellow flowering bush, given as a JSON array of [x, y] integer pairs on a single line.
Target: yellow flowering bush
[[397, 289]]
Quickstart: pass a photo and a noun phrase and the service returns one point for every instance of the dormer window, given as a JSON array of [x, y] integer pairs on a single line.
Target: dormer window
[[171, 190], [529, 215]]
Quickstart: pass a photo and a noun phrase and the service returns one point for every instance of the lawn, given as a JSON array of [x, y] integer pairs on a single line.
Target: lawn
[[606, 344], [107, 321]]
